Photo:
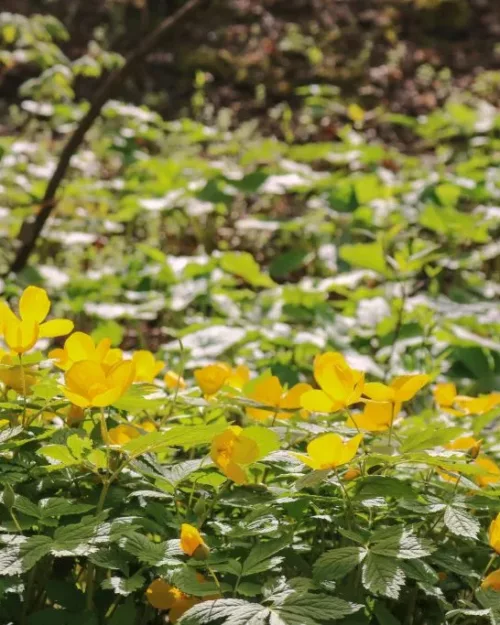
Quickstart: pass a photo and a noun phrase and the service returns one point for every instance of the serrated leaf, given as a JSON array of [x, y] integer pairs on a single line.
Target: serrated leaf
[[311, 479], [430, 438], [185, 436], [313, 608], [186, 580], [366, 255], [258, 559], [382, 576], [33, 550], [228, 611], [267, 440], [243, 265], [336, 563], [402, 544], [461, 523], [124, 586], [143, 548]]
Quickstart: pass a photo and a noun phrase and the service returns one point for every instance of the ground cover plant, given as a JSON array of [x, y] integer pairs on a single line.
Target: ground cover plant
[[247, 379]]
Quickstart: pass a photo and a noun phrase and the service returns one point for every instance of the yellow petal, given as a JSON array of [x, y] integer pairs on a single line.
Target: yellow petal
[[245, 450], [146, 367], [82, 375], [310, 462], [121, 375], [80, 346], [494, 534], [268, 392], [378, 391], [326, 450], [34, 304], [106, 398], [235, 473], [318, 401], [163, 596], [122, 434], [291, 399], [211, 378], [376, 417], [463, 443], [492, 581], [349, 449], [60, 357], [445, 393], [173, 380], [407, 386], [21, 336], [78, 400], [493, 472], [56, 327], [190, 539]]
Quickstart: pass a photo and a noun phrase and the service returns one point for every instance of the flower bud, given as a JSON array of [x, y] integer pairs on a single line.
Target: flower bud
[[201, 552], [9, 497]]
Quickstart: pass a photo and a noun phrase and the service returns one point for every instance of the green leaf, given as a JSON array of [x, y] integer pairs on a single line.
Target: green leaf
[[185, 436], [365, 255], [429, 438], [336, 563], [144, 549], [186, 580], [384, 617], [59, 456], [243, 265], [402, 543], [260, 557], [33, 550], [382, 576], [228, 611], [287, 262], [124, 586], [308, 608], [461, 523], [266, 439]]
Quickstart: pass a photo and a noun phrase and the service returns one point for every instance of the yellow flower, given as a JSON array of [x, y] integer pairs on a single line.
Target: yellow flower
[[122, 434], [14, 376], [493, 471], [494, 534], [232, 449], [376, 417], [238, 377], [270, 393], [444, 394], [401, 389], [191, 541], [89, 384], [213, 377], [446, 398], [340, 385], [173, 380], [330, 451], [80, 346], [22, 333], [164, 596], [477, 405], [492, 581], [466, 443], [146, 367]]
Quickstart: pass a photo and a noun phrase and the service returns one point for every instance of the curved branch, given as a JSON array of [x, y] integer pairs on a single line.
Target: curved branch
[[32, 227]]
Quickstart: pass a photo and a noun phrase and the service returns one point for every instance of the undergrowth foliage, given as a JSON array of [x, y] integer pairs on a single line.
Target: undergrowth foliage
[[131, 493]]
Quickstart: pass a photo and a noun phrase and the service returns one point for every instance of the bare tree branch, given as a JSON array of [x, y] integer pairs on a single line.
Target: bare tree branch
[[32, 227]]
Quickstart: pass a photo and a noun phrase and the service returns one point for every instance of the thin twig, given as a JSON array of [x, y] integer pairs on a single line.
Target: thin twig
[[32, 227]]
